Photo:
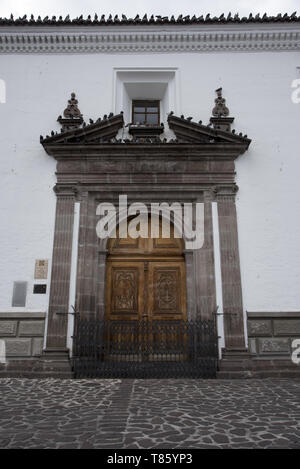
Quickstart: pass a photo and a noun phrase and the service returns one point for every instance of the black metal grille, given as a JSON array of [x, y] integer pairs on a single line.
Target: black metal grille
[[145, 349]]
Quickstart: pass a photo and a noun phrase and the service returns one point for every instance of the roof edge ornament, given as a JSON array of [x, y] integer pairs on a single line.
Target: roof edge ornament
[[157, 19], [220, 112], [220, 109], [72, 116]]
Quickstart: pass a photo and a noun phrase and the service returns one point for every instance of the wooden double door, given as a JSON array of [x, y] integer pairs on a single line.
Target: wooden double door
[[146, 279]]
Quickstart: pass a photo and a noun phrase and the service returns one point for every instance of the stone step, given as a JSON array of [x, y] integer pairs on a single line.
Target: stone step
[[263, 373]]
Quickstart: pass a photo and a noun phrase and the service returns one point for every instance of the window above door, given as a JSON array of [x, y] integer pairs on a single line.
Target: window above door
[[145, 112]]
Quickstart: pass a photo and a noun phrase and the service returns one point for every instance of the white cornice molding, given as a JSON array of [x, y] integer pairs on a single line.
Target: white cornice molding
[[249, 38]]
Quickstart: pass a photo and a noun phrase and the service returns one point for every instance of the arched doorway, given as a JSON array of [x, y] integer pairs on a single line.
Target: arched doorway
[[145, 332], [146, 277]]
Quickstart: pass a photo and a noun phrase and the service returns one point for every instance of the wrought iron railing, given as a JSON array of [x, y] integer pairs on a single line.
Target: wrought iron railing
[[145, 349]]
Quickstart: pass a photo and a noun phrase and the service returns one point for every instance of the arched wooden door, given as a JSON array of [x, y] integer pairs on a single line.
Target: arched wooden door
[[146, 279]]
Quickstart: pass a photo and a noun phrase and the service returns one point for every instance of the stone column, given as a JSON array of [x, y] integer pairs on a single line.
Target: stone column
[[204, 265], [205, 290], [61, 270], [102, 257], [230, 269], [190, 284]]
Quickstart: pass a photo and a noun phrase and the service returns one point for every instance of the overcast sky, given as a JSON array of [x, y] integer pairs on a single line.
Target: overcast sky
[[157, 7]]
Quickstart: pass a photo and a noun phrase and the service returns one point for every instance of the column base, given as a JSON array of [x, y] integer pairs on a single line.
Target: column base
[[235, 363], [58, 352], [238, 353]]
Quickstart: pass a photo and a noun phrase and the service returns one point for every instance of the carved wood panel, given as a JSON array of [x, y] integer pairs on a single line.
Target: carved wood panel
[[125, 282], [167, 297], [146, 290], [147, 245]]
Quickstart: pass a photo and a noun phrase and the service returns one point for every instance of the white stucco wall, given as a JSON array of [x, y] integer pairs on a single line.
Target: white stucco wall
[[257, 87]]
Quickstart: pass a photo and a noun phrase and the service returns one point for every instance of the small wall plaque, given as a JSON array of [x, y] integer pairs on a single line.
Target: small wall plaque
[[41, 269], [39, 288]]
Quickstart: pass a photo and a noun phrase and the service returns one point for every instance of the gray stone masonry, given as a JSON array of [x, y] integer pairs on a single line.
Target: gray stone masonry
[[271, 334], [23, 334]]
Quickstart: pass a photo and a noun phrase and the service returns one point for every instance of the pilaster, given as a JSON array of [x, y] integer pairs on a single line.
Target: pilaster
[[230, 269], [205, 276], [61, 270]]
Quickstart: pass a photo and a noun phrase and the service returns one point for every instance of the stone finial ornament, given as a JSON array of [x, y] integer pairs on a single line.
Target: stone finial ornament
[[72, 116], [72, 108], [220, 110]]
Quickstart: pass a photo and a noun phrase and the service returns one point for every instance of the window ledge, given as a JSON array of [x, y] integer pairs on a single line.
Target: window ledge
[[145, 130]]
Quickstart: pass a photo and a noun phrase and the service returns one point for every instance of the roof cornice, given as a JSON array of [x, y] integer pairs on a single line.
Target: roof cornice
[[206, 36], [216, 151]]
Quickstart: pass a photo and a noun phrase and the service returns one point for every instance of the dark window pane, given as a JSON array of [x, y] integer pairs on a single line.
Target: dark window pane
[[139, 108], [152, 118], [139, 118], [145, 112], [152, 109]]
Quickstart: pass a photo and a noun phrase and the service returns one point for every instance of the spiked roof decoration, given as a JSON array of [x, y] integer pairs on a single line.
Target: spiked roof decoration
[[153, 19]]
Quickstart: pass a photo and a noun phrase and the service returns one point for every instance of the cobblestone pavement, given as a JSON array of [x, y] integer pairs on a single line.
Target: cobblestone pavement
[[54, 413]]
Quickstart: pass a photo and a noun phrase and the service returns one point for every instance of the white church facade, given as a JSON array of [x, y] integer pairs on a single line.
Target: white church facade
[[160, 110]]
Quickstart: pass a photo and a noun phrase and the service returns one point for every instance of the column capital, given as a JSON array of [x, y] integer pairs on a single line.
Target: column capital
[[65, 190], [226, 192], [209, 194]]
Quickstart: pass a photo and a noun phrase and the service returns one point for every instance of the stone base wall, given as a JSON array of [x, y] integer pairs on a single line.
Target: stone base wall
[[271, 334], [270, 348], [23, 334]]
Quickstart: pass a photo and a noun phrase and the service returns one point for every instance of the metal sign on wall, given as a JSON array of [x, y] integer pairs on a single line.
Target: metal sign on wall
[[41, 269]]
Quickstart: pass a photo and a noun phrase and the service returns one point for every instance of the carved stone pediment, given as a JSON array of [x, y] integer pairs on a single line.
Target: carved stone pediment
[[100, 136], [188, 131], [102, 130]]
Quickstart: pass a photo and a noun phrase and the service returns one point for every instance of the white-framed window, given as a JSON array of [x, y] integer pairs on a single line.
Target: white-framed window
[[145, 84]]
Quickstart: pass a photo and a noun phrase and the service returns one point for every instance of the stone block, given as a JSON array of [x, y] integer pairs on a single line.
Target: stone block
[[287, 327], [274, 345], [259, 327], [31, 328], [8, 328], [18, 347], [37, 346]]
